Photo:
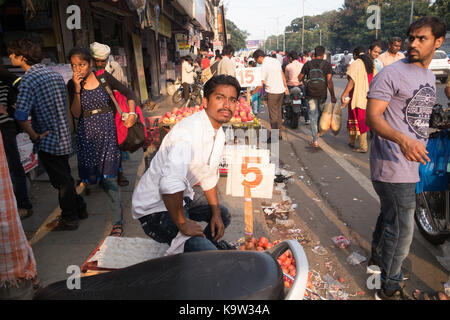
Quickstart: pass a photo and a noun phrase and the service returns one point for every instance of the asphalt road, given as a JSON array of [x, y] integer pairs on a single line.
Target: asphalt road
[[335, 197]]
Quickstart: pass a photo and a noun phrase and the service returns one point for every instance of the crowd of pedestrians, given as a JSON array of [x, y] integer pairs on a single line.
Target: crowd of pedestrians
[[381, 94]]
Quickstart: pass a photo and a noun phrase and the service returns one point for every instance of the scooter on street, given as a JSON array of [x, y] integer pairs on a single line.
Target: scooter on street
[[295, 105], [432, 213], [204, 275]]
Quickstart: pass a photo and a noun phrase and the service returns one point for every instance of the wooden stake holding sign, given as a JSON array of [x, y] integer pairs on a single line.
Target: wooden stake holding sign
[[251, 175]]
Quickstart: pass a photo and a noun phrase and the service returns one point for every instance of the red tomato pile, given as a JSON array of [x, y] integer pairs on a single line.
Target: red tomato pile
[[242, 113], [179, 114], [257, 245], [286, 260], [287, 263]]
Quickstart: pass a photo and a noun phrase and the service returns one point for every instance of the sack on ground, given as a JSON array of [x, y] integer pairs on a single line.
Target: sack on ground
[[325, 118], [336, 119]]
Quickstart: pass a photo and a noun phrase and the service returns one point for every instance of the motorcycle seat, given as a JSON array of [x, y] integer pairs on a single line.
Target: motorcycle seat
[[205, 275]]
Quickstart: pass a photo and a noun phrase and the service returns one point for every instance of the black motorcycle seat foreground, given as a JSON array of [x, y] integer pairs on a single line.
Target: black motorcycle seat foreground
[[206, 275]]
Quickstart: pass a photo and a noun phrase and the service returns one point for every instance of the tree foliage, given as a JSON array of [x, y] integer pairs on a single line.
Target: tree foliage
[[346, 28], [238, 37]]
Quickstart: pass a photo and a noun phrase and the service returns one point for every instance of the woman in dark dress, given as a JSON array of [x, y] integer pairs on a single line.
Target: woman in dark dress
[[98, 150]]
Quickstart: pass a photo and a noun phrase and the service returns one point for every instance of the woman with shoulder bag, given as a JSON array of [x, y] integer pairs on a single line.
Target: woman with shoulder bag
[[98, 150]]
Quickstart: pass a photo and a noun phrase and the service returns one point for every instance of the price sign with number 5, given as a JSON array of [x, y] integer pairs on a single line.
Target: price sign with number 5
[[252, 170], [249, 77]]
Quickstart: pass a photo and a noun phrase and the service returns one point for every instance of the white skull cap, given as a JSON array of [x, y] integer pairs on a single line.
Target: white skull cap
[[100, 51]]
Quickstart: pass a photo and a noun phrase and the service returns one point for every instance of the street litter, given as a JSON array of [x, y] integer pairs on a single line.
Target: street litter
[[285, 223], [321, 251], [341, 242], [283, 175], [355, 258]]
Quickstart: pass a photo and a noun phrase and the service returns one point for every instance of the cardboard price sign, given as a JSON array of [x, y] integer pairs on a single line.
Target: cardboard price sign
[[249, 77], [250, 175], [252, 169]]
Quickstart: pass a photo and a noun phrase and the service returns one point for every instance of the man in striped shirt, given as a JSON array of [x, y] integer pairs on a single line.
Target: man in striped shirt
[[42, 93], [8, 94]]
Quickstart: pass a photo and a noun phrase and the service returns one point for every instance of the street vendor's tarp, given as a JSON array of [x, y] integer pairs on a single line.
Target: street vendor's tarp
[[117, 253]]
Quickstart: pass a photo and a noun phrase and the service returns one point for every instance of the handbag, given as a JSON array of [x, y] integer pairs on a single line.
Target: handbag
[[128, 139]]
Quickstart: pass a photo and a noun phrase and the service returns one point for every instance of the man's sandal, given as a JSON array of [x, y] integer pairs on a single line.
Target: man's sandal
[[359, 150], [117, 231]]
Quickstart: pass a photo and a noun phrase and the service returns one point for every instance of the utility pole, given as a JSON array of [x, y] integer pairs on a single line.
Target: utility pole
[[303, 27], [376, 29], [277, 18], [265, 41], [412, 12]]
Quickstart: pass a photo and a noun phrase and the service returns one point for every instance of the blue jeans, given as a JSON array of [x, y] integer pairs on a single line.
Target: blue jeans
[[394, 230], [160, 227], [316, 107], [111, 188]]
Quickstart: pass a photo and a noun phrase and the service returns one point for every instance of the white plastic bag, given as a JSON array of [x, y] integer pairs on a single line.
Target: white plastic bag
[[336, 119], [325, 118]]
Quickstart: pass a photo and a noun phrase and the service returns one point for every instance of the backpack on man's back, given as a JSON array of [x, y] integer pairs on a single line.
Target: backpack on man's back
[[316, 84]]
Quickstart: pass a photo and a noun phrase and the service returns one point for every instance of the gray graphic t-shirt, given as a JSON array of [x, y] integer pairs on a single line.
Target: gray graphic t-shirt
[[411, 93]]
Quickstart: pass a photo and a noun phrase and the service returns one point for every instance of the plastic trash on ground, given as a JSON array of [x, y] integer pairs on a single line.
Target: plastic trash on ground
[[341, 242], [355, 258]]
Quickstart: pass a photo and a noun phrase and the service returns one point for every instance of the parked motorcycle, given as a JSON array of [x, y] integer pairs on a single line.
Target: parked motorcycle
[[204, 275], [295, 105], [432, 213]]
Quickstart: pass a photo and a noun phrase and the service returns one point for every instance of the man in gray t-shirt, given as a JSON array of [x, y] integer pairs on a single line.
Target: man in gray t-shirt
[[400, 102]]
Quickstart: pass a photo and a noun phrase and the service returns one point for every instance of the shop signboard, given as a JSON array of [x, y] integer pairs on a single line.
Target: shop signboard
[[253, 44], [200, 13]]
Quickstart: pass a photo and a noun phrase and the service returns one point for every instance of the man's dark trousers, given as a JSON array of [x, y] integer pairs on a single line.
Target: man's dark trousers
[[60, 175]]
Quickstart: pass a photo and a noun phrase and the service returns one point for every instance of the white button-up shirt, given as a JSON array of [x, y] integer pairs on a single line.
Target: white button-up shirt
[[187, 73], [189, 154]]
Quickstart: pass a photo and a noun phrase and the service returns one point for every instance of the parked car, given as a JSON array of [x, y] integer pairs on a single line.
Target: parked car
[[440, 65]]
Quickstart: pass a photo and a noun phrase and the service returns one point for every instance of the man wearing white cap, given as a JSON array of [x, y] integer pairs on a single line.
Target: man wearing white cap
[[101, 53], [103, 60]]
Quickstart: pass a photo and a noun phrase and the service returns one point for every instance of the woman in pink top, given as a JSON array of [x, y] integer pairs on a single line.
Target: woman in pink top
[[293, 70]]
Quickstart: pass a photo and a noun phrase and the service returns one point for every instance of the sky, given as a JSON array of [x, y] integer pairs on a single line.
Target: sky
[[262, 18]]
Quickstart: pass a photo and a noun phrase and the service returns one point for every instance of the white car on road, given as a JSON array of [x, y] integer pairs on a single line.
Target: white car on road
[[440, 65]]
